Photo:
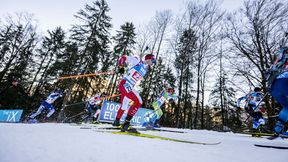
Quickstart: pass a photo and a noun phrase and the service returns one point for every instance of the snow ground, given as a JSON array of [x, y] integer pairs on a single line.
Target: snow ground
[[57, 142]]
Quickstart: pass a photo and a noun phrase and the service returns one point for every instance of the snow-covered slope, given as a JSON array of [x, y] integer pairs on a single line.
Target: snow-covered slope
[[55, 142]]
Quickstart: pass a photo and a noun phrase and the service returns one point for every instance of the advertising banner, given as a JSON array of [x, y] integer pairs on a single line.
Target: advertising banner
[[109, 111], [10, 115]]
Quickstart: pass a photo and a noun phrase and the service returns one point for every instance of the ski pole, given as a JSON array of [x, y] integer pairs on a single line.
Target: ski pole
[[74, 104], [68, 118], [85, 75], [247, 118], [256, 108], [107, 97], [101, 98]]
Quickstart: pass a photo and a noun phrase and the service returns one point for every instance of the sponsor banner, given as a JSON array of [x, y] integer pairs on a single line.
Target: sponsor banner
[[110, 109], [10, 115]]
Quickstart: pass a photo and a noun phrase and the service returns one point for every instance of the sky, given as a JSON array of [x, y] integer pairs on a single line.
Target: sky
[[53, 13], [58, 142]]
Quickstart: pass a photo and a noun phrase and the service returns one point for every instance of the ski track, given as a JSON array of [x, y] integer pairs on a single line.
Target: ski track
[[53, 142]]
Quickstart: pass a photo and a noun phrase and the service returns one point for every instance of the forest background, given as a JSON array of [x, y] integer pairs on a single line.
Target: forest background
[[207, 54]]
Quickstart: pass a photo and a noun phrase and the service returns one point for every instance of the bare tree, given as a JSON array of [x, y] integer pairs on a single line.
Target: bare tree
[[255, 33], [157, 29], [205, 20]]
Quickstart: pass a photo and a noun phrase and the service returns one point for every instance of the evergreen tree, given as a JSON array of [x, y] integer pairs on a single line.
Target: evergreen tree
[[49, 54], [183, 63], [18, 39], [157, 83], [124, 40], [223, 97], [92, 38], [168, 113], [64, 65]]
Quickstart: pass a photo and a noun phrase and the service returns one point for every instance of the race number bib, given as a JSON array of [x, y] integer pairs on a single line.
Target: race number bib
[[161, 99], [136, 76], [127, 87]]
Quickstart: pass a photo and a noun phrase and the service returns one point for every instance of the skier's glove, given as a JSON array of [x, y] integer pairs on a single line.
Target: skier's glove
[[121, 70]]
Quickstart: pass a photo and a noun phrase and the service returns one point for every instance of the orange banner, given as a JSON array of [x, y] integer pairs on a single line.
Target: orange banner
[[86, 75]]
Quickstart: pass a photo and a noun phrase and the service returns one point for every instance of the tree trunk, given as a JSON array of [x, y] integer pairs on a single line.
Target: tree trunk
[[179, 99], [197, 93]]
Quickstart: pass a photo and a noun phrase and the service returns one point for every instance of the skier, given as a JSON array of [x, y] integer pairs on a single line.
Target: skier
[[136, 72], [47, 104], [166, 96], [93, 104], [253, 108], [278, 87]]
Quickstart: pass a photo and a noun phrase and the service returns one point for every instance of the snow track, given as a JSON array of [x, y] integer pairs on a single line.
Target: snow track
[[51, 142]]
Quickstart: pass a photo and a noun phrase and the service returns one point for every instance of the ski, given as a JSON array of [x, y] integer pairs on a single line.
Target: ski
[[160, 130], [258, 134], [85, 127], [277, 136], [110, 128], [138, 134], [144, 129], [163, 138], [271, 146], [32, 121]]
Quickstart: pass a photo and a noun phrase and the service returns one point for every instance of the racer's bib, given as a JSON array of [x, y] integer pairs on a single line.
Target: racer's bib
[[135, 74]]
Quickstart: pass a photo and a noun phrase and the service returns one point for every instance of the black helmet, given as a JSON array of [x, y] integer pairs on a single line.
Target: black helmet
[[59, 90], [104, 94], [257, 89]]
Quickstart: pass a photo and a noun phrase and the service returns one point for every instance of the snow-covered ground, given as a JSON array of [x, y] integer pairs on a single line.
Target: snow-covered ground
[[55, 142]]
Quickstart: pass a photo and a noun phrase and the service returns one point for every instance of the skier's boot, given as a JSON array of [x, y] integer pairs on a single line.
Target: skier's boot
[[95, 121], [254, 130], [126, 127], [45, 120], [150, 126], [28, 119], [31, 120], [144, 124], [276, 135], [277, 129], [116, 123], [156, 124]]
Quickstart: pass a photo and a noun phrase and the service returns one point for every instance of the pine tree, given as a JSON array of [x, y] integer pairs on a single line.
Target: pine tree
[[50, 52], [183, 63], [168, 118], [157, 83], [18, 39], [124, 39], [223, 97], [92, 38], [17, 42], [169, 77]]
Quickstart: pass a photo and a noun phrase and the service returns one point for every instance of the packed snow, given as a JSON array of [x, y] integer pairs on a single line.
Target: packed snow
[[58, 142]]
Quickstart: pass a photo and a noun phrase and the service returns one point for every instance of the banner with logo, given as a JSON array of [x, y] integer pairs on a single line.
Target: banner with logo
[[109, 111], [10, 115]]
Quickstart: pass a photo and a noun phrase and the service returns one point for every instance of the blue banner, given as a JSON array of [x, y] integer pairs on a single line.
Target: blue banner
[[10, 115], [110, 109]]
